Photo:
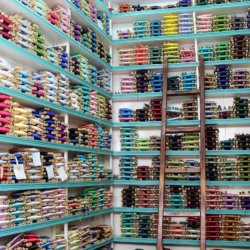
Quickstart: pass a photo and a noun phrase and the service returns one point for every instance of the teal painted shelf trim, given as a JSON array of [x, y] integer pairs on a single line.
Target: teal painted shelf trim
[[57, 107], [146, 153], [227, 183], [98, 245], [154, 183], [134, 240], [134, 210], [180, 65], [52, 66], [228, 152], [228, 121], [152, 153], [155, 123], [228, 243], [88, 20], [34, 226], [223, 211], [213, 92], [150, 210], [181, 37], [61, 33], [153, 241], [154, 66], [51, 145], [137, 95], [183, 9], [182, 123], [135, 182], [48, 185], [228, 62], [181, 242], [182, 183]]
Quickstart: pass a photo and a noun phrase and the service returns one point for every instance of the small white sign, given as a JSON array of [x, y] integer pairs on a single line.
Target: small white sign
[[36, 159], [50, 171], [62, 174], [19, 172]]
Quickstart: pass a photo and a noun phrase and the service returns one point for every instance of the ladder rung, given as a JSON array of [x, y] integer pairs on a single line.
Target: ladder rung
[[181, 214], [183, 92], [182, 129], [182, 170]]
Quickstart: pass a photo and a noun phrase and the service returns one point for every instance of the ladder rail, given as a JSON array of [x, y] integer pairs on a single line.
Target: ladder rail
[[164, 130], [162, 157], [202, 155]]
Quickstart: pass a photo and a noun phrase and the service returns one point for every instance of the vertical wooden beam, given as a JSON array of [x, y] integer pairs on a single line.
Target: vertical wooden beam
[[202, 153], [162, 157]]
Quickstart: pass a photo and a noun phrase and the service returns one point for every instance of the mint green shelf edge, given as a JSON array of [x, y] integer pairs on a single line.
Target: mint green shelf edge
[[227, 152], [182, 152], [228, 243], [227, 183], [154, 66], [152, 153], [60, 32], [213, 92], [149, 210], [183, 9], [232, 211], [153, 241], [154, 183], [57, 107], [180, 65], [182, 123], [228, 62], [134, 182], [180, 183], [52, 145], [134, 240], [181, 242], [53, 66], [98, 245], [155, 210], [48, 185], [39, 225], [181, 37], [155, 123], [88, 20]]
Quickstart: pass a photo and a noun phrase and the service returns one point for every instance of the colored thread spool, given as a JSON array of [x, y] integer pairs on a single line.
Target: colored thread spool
[[204, 23], [170, 24]]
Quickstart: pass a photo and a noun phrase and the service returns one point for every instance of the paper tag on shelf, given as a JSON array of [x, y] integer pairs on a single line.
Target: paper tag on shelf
[[50, 171], [36, 159], [19, 172], [62, 174]]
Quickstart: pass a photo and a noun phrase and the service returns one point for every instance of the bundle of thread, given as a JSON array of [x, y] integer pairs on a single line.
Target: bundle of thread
[[89, 235], [90, 199], [45, 205], [88, 167], [30, 240]]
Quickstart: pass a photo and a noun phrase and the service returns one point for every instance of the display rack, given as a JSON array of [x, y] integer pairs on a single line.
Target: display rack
[[111, 157]]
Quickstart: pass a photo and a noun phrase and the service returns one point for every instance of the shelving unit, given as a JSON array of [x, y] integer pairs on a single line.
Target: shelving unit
[[19, 56], [123, 21]]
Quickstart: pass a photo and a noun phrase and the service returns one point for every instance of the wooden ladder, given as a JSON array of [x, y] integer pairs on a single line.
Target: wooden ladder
[[202, 170]]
